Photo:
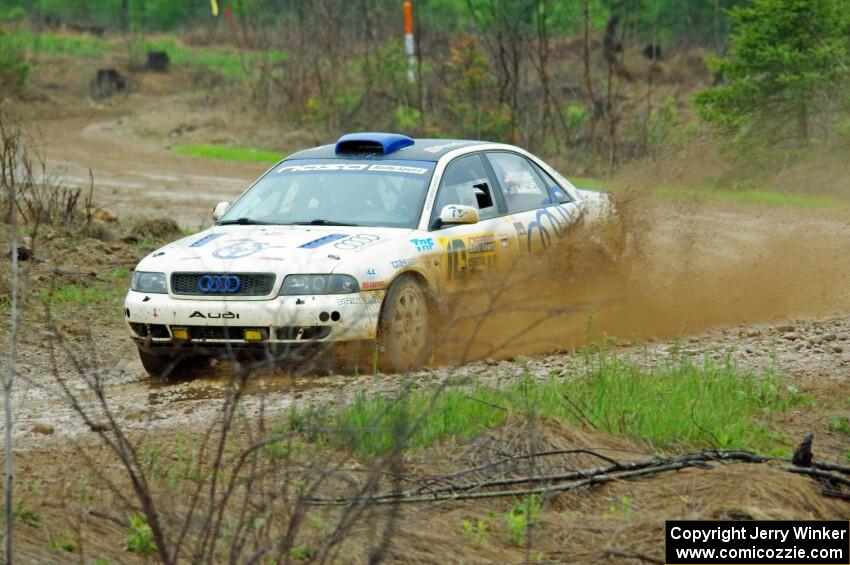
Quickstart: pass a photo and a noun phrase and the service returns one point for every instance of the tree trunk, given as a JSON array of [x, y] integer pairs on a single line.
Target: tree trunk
[[803, 124]]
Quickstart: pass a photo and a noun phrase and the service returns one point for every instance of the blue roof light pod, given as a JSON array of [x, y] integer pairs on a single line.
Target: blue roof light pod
[[372, 142]]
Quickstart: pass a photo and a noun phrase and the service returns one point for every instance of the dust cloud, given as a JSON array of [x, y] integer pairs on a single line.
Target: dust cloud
[[688, 266]]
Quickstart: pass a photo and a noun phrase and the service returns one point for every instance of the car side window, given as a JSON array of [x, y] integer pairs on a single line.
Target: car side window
[[556, 192], [523, 187], [465, 181]]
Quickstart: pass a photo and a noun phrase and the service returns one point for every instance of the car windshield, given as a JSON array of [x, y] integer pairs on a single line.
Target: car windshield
[[379, 193]]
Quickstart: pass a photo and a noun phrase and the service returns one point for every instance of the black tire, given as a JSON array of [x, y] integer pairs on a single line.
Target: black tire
[[404, 331], [160, 366]]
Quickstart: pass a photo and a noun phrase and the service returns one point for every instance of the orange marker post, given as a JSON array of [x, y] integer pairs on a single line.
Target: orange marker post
[[408, 40]]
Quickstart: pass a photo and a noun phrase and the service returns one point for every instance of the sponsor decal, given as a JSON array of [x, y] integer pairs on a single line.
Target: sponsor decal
[[271, 258], [372, 285], [482, 244], [321, 241], [559, 224], [399, 263], [242, 248], [520, 228], [158, 254], [155, 313], [469, 256], [237, 249], [438, 148], [206, 239], [354, 300], [357, 242], [423, 244], [371, 273], [190, 258], [215, 315], [359, 167], [521, 182]]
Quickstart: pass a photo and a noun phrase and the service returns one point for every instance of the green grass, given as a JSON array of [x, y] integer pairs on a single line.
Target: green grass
[[81, 46], [227, 61], [749, 195], [140, 536], [675, 405], [80, 295], [246, 154], [753, 196]]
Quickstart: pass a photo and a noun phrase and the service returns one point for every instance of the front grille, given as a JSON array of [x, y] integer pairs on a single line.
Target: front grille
[[250, 284]]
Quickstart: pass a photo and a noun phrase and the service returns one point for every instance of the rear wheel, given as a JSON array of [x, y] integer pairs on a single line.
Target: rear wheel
[[404, 334]]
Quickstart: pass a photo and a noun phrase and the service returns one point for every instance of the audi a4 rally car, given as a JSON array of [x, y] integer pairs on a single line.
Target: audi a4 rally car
[[350, 242]]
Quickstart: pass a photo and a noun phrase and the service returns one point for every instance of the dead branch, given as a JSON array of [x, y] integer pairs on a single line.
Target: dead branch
[[578, 479]]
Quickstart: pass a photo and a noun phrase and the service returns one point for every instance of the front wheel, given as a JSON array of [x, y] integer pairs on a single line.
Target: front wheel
[[404, 336], [160, 366]]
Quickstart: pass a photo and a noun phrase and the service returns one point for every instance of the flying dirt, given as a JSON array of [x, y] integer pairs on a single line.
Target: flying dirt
[[689, 267]]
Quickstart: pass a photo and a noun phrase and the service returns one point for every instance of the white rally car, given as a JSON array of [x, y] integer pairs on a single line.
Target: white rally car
[[350, 242]]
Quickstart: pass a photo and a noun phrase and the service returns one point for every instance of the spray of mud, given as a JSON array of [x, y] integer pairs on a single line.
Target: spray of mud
[[687, 266]]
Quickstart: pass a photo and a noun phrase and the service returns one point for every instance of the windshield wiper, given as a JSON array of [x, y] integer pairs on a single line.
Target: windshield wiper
[[320, 222], [243, 222]]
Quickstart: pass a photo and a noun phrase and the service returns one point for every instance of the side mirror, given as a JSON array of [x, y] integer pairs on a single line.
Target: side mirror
[[458, 214], [219, 210]]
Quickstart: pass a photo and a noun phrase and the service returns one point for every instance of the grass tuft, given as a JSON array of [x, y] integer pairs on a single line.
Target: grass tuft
[[673, 405], [246, 154], [228, 62], [80, 46]]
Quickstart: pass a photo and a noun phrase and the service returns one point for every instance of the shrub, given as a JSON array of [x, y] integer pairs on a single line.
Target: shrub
[[140, 538], [13, 67]]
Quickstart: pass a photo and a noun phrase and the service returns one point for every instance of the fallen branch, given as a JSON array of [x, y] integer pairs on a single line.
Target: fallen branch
[[583, 478]]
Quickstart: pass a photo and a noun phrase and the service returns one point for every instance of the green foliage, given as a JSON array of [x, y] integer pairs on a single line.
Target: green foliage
[[77, 295], [140, 537], [521, 517], [675, 404], [160, 15], [840, 424], [407, 119], [13, 68], [63, 542], [302, 553], [473, 111], [82, 46], [475, 533], [27, 516], [622, 508], [224, 61], [13, 14], [787, 60]]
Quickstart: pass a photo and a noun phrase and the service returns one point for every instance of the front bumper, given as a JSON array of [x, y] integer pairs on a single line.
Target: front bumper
[[159, 322]]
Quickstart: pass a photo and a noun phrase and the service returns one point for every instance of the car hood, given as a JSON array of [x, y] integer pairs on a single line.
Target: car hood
[[278, 249]]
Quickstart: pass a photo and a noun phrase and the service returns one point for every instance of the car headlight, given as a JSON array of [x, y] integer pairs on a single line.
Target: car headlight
[[318, 284], [153, 283]]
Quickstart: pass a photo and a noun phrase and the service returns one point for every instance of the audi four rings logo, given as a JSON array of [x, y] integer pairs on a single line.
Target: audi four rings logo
[[356, 241], [228, 284]]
